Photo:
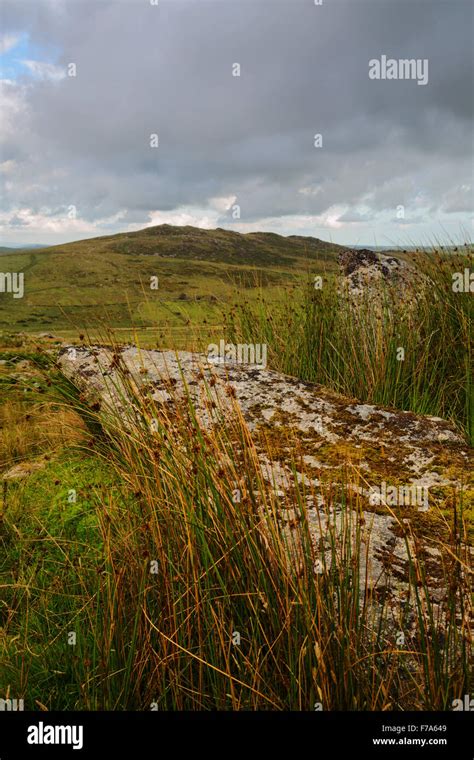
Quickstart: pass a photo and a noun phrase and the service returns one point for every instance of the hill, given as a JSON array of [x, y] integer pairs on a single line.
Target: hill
[[219, 245], [77, 284]]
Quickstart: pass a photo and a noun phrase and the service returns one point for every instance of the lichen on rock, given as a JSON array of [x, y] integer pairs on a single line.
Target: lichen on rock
[[306, 437]]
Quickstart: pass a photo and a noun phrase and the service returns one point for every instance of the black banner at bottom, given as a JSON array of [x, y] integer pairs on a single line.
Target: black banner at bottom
[[87, 734]]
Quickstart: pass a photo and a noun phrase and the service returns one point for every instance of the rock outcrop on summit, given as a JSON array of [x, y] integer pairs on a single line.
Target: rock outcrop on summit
[[376, 274]]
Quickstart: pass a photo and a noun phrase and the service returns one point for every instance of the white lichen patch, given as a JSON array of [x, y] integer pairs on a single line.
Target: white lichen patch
[[366, 411], [418, 460]]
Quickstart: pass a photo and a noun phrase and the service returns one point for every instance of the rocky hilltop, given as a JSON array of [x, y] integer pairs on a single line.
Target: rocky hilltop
[[376, 274]]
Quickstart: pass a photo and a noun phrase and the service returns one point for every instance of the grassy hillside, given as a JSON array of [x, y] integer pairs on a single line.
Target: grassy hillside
[[136, 544], [85, 513], [108, 278]]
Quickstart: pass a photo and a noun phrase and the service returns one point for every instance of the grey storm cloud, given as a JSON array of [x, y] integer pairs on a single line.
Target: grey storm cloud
[[167, 69]]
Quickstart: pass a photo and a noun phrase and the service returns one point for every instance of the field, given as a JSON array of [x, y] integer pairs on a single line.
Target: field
[[107, 280], [219, 621]]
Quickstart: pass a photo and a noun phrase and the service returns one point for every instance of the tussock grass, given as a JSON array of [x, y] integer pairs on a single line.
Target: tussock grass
[[26, 432], [32, 424], [321, 338], [186, 596], [180, 574]]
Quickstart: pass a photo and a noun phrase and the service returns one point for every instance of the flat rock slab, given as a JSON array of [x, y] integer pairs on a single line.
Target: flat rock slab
[[316, 436]]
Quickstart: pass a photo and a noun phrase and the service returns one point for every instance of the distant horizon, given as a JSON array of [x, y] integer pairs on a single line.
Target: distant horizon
[[359, 244]]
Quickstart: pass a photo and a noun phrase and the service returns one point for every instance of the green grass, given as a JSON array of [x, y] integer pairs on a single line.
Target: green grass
[[157, 572], [317, 336], [166, 496], [107, 280], [52, 561]]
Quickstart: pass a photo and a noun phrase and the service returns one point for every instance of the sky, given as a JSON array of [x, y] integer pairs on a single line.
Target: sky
[[121, 114]]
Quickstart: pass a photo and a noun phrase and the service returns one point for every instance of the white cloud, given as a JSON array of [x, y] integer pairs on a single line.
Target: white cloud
[[182, 217], [205, 217], [223, 204], [42, 70], [328, 220], [8, 41], [13, 108], [44, 221], [7, 167]]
